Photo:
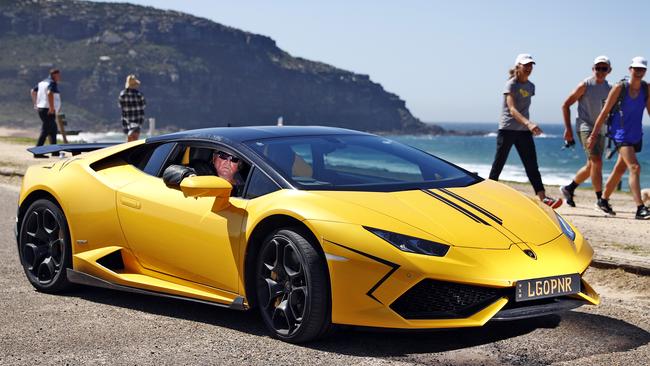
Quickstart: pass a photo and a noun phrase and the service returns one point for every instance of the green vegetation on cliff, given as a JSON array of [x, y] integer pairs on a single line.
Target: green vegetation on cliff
[[194, 72]]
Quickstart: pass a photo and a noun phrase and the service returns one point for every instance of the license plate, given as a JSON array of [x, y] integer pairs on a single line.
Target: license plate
[[540, 288]]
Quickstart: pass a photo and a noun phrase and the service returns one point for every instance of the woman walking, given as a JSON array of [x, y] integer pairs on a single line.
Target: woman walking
[[515, 127], [630, 98]]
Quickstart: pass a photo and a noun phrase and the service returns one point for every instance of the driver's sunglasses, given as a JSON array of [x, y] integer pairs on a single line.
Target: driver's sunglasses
[[225, 156], [602, 69], [639, 69]]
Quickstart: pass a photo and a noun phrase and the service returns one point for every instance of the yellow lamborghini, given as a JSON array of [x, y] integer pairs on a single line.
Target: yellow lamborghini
[[316, 227]]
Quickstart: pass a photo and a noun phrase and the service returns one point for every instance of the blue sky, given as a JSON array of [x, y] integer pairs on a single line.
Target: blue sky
[[447, 60]]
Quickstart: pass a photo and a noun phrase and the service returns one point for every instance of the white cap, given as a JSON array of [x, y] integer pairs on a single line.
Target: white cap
[[639, 62], [601, 60], [524, 59]]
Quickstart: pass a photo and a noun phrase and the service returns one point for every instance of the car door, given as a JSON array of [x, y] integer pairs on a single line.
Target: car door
[[182, 236]]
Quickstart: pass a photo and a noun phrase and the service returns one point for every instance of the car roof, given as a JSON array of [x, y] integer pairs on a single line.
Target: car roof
[[241, 134]]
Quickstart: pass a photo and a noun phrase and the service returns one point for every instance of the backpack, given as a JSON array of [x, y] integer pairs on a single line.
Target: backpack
[[616, 109]]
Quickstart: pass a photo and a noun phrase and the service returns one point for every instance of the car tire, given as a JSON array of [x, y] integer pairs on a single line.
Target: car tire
[[292, 286], [44, 247]]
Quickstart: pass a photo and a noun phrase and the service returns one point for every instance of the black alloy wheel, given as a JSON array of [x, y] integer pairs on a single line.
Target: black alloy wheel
[[44, 246], [292, 287]]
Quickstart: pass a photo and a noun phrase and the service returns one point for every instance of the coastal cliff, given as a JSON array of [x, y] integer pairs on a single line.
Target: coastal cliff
[[194, 72]]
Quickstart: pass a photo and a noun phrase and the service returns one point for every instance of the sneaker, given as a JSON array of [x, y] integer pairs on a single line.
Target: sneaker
[[552, 202], [642, 213], [603, 205], [568, 196]]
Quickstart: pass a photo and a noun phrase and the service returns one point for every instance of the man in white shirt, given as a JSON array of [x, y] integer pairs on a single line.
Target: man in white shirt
[[47, 101]]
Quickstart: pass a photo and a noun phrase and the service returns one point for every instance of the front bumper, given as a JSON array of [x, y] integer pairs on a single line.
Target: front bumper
[[552, 306], [370, 277]]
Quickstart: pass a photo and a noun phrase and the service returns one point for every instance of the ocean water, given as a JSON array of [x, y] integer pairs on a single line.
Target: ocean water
[[476, 153], [557, 166]]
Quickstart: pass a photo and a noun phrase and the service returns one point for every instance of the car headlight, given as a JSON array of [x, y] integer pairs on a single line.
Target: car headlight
[[566, 228], [410, 244]]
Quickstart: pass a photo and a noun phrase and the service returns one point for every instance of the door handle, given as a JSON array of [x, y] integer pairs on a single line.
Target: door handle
[[130, 202]]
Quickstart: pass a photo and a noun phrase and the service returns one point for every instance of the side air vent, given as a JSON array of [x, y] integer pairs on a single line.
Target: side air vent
[[113, 261]]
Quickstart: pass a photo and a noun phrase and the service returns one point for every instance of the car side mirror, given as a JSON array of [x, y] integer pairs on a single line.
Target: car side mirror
[[206, 186]]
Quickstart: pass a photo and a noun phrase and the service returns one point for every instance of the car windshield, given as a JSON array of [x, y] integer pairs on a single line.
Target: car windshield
[[357, 162]]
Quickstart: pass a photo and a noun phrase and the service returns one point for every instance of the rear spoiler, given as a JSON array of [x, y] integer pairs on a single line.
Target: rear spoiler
[[74, 149]]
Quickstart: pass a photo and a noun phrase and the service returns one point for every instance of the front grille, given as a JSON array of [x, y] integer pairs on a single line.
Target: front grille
[[431, 299]]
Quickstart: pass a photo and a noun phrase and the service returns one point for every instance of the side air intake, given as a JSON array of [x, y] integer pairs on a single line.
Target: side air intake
[[113, 261]]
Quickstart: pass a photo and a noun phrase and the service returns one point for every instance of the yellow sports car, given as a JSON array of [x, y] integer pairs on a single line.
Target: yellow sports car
[[314, 226]]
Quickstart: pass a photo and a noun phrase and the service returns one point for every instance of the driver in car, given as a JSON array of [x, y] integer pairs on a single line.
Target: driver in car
[[224, 165]]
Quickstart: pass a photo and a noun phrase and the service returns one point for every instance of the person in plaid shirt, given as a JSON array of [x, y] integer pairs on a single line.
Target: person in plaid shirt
[[132, 103]]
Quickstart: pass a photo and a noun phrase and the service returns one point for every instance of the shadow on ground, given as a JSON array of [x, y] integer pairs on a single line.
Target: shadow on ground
[[244, 321], [572, 335], [588, 334], [601, 216]]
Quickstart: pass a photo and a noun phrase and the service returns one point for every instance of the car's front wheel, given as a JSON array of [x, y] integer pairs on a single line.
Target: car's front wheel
[[292, 286], [44, 246]]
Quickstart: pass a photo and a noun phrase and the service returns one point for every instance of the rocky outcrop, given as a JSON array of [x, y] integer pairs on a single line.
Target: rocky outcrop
[[194, 72]]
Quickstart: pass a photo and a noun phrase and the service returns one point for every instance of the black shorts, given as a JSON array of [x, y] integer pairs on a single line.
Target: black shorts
[[637, 145], [130, 127]]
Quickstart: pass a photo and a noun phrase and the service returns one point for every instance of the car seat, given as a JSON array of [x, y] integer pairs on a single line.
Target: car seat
[[200, 159], [288, 161]]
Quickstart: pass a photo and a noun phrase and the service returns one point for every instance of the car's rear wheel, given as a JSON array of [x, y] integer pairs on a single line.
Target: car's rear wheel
[[292, 286], [44, 246]]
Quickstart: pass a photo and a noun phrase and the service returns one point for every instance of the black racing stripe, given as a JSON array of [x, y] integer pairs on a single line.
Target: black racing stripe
[[456, 206], [500, 222], [478, 208], [394, 267]]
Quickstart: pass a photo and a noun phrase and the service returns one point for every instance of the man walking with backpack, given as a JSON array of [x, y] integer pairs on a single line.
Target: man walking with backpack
[[590, 94], [626, 102]]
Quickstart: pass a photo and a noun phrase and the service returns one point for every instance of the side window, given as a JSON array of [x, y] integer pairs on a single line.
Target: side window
[[259, 185], [157, 159], [139, 156]]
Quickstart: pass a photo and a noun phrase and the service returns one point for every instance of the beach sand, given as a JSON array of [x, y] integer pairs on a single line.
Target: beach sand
[[13, 151], [620, 239]]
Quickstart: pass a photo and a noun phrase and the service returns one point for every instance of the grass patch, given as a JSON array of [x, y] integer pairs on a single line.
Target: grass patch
[[25, 140], [634, 248], [10, 164], [18, 140]]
